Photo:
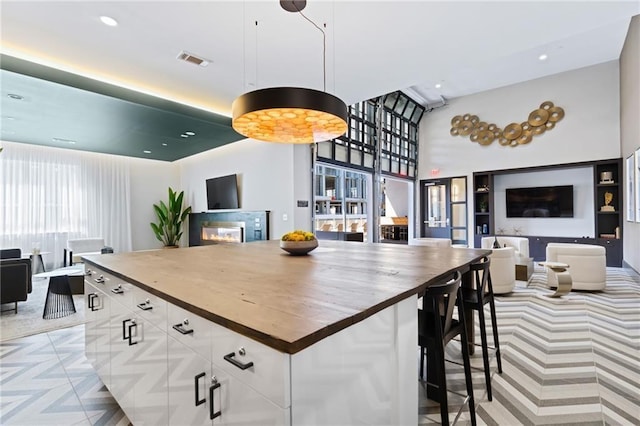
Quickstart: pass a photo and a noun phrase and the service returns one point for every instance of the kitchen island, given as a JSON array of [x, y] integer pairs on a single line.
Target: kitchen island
[[245, 333]]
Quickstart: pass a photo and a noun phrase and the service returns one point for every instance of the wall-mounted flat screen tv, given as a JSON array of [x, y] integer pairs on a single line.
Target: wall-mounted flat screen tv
[[541, 201], [222, 193]]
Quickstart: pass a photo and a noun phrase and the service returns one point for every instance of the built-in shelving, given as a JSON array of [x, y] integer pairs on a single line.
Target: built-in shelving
[[607, 214], [482, 205]]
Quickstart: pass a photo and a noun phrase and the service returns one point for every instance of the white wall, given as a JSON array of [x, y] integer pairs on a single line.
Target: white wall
[[589, 131], [630, 128], [265, 179], [150, 182], [580, 225]]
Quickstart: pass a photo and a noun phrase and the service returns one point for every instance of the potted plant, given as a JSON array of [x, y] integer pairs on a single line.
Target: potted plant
[[483, 205], [170, 216]]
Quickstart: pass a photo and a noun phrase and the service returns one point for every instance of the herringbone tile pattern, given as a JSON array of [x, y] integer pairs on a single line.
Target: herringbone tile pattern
[[568, 361], [574, 360], [45, 379]]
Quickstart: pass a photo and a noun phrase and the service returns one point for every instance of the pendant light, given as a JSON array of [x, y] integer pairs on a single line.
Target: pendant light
[[290, 114]]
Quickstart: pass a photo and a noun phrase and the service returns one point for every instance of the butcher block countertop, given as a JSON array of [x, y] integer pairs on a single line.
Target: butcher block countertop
[[286, 302]]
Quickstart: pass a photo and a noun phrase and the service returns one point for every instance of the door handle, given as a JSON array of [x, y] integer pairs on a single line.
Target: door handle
[[196, 379], [212, 411], [128, 336]]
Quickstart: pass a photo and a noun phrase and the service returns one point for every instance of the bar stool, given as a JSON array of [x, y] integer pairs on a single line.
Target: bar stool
[[476, 298], [59, 301], [436, 328]]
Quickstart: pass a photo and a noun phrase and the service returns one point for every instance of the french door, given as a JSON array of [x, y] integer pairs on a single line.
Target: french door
[[444, 209]]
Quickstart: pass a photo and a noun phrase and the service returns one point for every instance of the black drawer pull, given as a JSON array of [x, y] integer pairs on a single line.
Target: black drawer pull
[[212, 411], [196, 379], [181, 329], [230, 358], [146, 305]]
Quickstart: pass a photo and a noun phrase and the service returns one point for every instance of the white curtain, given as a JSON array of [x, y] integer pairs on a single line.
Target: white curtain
[[48, 195]]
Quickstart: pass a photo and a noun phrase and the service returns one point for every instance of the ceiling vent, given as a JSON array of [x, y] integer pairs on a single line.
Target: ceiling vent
[[193, 59]]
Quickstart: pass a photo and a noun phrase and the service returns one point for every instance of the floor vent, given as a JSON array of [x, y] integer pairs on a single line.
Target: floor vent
[[193, 59]]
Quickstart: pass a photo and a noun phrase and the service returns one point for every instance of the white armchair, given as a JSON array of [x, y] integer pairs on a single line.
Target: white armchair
[[519, 244], [503, 270], [76, 248], [587, 265]]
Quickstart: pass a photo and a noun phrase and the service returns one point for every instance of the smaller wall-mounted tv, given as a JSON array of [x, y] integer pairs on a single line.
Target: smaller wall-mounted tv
[[222, 193], [541, 201]]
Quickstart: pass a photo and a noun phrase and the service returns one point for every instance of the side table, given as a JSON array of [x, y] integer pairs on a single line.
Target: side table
[[37, 264], [59, 301], [564, 277], [524, 268]]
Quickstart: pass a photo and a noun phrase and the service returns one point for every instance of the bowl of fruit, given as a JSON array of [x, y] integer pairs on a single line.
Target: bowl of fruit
[[298, 243]]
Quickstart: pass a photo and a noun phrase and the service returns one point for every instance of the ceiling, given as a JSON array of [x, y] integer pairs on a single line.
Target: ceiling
[[139, 96]]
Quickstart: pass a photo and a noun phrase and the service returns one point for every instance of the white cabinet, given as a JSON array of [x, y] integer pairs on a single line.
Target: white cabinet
[[126, 348], [150, 374], [269, 371], [201, 392], [189, 376], [240, 404], [123, 335], [97, 339]]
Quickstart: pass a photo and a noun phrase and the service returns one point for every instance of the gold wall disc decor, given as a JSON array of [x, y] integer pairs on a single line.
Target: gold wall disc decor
[[538, 117], [556, 114], [539, 121], [512, 131]]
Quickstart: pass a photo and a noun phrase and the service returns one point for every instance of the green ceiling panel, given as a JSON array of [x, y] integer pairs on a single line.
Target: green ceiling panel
[[58, 107]]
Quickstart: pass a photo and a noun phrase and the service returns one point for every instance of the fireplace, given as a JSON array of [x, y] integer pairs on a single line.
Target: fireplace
[[221, 232], [253, 226]]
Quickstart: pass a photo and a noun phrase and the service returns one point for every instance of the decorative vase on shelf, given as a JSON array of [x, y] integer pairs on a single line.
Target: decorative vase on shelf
[[496, 244]]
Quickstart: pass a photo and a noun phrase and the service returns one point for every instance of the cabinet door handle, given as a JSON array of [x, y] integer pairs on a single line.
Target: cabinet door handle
[[212, 411], [196, 379], [90, 303], [126, 329], [230, 358]]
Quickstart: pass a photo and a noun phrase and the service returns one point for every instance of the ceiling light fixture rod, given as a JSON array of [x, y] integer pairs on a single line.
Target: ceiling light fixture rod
[[324, 50]]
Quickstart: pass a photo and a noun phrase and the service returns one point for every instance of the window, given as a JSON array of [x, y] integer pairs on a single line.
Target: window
[[340, 200], [398, 144]]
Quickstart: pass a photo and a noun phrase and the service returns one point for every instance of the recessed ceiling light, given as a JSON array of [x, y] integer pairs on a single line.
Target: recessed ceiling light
[[9, 118], [109, 21], [543, 57], [147, 151], [14, 96], [164, 144], [438, 85], [189, 133], [184, 135], [62, 140]]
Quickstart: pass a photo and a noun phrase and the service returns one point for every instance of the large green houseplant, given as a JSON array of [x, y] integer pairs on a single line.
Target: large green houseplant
[[171, 217]]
